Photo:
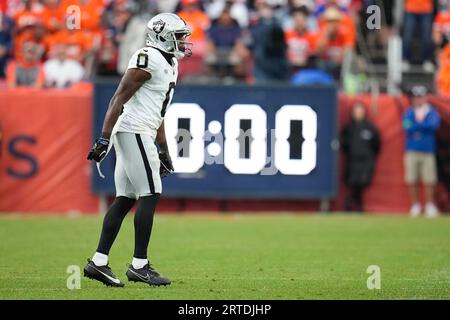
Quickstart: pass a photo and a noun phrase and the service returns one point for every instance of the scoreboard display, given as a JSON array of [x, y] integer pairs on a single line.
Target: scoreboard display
[[243, 142]]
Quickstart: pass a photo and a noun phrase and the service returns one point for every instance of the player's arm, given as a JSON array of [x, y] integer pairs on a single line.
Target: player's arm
[[166, 167], [132, 80]]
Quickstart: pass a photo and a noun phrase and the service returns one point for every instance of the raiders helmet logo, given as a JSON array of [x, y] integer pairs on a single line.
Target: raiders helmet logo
[[158, 26]]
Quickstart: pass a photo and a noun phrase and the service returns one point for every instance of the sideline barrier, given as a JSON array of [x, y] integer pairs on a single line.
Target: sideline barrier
[[46, 136]]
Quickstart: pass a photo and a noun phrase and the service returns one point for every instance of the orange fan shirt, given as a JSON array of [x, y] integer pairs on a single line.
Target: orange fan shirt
[[198, 21], [26, 18], [53, 18], [419, 6], [91, 12], [337, 44], [300, 46]]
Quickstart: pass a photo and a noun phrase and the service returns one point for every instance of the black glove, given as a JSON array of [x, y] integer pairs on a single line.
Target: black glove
[[166, 167], [98, 151]]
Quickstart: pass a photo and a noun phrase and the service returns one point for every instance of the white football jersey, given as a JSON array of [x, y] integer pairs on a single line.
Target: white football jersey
[[145, 110]]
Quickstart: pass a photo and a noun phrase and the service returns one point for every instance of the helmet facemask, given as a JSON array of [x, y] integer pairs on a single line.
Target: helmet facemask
[[181, 47]]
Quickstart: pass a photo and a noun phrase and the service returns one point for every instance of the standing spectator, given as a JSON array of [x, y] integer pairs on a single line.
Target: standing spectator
[[300, 42], [361, 145], [225, 31], [6, 42], [27, 70], [225, 50], [418, 15], [198, 21], [333, 42], [268, 46], [420, 122], [61, 72]]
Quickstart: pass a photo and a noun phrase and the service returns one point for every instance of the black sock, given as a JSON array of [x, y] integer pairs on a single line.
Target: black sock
[[112, 222], [143, 222]]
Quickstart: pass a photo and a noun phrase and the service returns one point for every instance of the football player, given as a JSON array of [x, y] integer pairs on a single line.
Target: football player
[[133, 123]]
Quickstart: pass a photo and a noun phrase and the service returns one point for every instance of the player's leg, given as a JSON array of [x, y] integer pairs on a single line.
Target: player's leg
[[125, 199], [140, 269], [143, 171], [98, 268], [143, 224], [111, 226]]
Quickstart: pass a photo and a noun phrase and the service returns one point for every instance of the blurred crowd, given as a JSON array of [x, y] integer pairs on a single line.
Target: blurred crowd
[[55, 43]]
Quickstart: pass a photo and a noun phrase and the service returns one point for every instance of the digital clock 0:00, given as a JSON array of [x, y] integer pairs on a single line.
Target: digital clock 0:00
[[256, 159]]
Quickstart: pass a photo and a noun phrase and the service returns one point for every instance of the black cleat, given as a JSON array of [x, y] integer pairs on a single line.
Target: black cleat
[[102, 274], [147, 275]]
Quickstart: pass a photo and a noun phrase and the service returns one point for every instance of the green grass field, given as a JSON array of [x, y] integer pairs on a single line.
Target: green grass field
[[235, 257]]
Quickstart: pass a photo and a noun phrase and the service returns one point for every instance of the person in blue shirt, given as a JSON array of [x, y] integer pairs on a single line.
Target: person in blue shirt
[[269, 48], [225, 47], [420, 123]]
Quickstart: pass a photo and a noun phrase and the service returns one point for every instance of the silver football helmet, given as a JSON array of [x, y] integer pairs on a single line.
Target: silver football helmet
[[168, 32]]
